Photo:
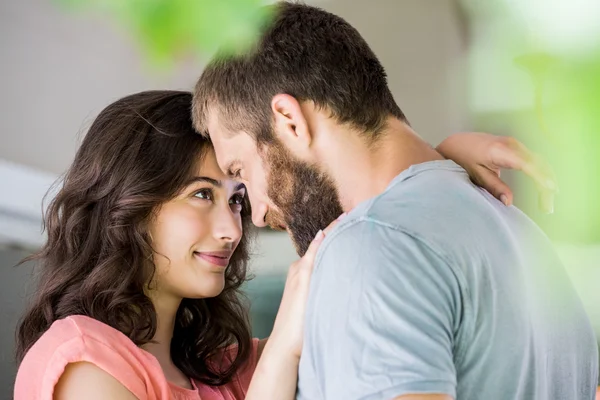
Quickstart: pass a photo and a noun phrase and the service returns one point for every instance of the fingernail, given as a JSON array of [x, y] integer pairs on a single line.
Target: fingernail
[[320, 235], [342, 216], [504, 199]]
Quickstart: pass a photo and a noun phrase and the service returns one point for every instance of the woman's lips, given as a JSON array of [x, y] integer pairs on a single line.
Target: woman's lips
[[219, 258]]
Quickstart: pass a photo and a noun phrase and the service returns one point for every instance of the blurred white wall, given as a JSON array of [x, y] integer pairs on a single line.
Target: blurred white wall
[[61, 68]]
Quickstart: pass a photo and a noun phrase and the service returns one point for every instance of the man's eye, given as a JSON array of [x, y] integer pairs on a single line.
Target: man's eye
[[237, 199], [235, 174]]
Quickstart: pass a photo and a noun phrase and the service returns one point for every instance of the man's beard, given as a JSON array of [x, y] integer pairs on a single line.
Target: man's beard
[[306, 199]]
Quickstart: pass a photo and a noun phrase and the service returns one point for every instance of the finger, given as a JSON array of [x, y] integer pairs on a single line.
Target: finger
[[333, 223], [546, 201], [311, 252], [512, 154], [316, 242], [541, 173], [490, 181], [509, 153]]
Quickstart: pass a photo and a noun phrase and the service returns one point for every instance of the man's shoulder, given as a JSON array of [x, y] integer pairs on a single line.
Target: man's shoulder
[[374, 248], [360, 233], [443, 194], [398, 215], [440, 207]]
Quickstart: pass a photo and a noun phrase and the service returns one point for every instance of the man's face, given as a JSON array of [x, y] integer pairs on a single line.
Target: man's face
[[285, 193]]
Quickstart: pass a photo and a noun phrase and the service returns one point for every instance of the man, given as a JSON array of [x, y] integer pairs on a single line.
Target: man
[[430, 288]]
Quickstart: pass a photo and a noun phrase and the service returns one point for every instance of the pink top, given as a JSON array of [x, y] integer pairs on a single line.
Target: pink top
[[79, 338]]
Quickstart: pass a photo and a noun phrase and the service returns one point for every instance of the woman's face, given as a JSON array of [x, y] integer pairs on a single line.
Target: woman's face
[[195, 234]]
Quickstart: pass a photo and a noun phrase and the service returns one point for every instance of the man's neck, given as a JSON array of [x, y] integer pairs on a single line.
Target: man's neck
[[363, 171]]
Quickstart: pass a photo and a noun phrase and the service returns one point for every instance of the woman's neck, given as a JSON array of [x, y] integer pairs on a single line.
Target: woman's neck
[[160, 346]]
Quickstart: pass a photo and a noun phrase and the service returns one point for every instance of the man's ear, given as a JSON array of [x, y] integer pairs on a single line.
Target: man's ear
[[291, 126]]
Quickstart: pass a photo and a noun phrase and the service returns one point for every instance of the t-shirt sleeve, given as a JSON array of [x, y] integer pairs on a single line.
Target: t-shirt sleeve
[[66, 343], [383, 311]]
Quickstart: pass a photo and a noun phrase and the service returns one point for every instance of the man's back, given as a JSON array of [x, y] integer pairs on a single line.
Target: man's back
[[436, 287]]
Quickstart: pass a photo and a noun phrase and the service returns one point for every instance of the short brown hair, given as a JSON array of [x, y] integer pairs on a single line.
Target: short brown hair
[[307, 53]]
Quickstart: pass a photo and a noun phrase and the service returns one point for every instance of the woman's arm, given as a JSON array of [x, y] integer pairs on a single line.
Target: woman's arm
[[276, 374], [84, 380], [261, 346], [483, 156]]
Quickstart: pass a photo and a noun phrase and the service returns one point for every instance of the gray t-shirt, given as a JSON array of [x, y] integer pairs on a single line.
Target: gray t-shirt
[[434, 286]]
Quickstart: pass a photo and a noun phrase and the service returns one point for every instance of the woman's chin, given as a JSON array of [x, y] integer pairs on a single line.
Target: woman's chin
[[208, 289]]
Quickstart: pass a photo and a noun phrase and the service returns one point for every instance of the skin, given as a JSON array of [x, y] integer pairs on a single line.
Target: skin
[[86, 381]]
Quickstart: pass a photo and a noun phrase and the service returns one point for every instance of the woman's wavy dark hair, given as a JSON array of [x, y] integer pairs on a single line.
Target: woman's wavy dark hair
[[97, 261]]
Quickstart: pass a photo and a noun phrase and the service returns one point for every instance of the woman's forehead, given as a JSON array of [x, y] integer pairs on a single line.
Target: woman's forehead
[[207, 166]]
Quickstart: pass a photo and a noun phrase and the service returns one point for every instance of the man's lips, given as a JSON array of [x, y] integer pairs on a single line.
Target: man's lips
[[278, 227], [276, 221], [219, 258]]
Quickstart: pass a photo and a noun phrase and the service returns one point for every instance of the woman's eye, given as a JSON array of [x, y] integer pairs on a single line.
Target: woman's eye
[[204, 194]]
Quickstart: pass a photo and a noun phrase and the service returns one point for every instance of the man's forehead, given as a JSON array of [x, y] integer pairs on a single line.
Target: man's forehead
[[232, 147], [224, 158], [218, 136], [229, 151], [214, 125]]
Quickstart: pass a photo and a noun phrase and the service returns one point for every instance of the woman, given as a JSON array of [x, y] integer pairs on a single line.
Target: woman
[[139, 282]]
